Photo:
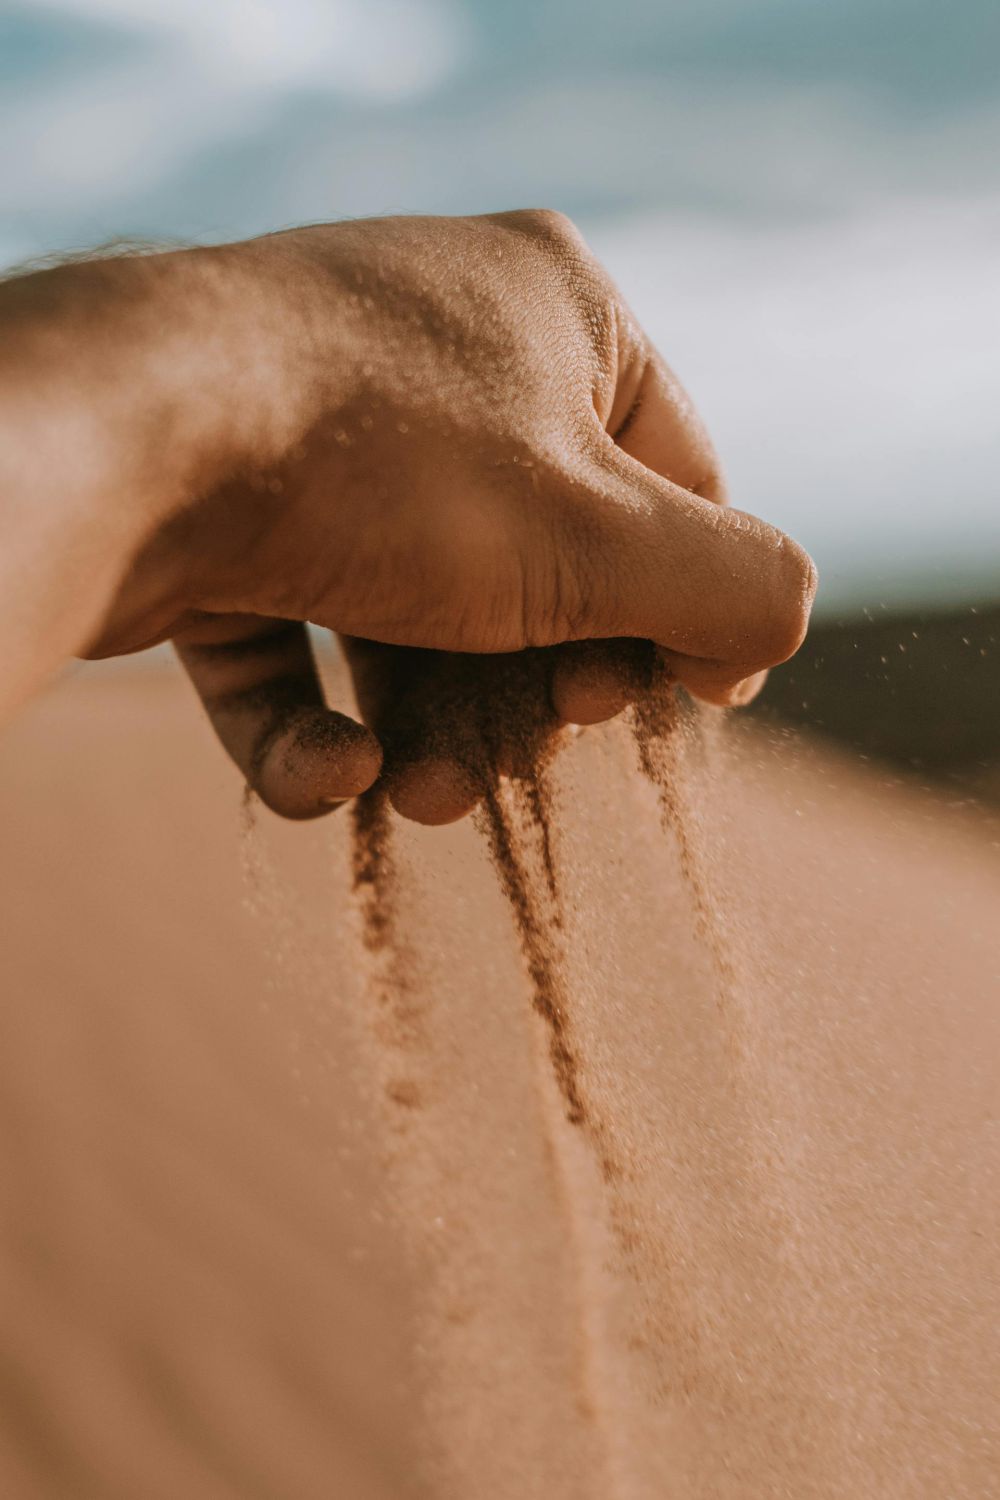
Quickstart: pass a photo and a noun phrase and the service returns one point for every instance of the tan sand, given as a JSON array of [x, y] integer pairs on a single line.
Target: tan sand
[[265, 1234]]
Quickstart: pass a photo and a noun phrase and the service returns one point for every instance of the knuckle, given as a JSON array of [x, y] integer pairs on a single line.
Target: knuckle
[[560, 239], [577, 275], [548, 224]]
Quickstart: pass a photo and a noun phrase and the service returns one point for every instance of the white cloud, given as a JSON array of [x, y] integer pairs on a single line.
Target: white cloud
[[213, 71], [849, 370], [362, 48]]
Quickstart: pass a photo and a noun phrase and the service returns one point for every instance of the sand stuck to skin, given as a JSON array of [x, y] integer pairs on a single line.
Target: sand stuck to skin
[[286, 1215]]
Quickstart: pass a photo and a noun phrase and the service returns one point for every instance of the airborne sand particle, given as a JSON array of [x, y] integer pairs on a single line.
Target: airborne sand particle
[[400, 1008], [537, 934], [663, 727]]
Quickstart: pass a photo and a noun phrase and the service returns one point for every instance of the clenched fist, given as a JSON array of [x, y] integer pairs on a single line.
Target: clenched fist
[[442, 434]]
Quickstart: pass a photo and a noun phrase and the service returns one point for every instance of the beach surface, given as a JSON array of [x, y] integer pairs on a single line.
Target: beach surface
[[275, 1229]]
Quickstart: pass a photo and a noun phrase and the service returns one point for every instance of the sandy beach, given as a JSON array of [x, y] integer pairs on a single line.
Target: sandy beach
[[267, 1233]]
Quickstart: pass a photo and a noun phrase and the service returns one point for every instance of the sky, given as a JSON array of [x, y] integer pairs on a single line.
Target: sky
[[800, 199]]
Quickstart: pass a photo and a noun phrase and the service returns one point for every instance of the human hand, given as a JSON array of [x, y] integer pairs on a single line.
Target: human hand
[[479, 452]]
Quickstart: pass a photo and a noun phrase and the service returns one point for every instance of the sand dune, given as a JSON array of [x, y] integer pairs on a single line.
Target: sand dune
[[267, 1234]]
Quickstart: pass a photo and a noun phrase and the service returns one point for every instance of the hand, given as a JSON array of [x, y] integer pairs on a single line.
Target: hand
[[484, 454]]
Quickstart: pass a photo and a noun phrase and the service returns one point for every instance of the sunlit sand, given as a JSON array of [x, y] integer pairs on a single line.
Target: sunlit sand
[[262, 1238]]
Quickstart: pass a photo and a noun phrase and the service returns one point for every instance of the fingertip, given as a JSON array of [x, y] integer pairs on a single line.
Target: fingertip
[[719, 686], [593, 681], [587, 700], [432, 791], [315, 762], [747, 690]]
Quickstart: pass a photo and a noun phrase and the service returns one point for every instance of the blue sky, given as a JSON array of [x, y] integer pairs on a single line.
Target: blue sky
[[799, 197]]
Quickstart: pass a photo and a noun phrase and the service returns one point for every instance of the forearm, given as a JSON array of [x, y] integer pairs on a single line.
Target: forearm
[[128, 388]]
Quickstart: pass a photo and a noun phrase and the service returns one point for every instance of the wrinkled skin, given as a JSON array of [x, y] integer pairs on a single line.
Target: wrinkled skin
[[475, 449]]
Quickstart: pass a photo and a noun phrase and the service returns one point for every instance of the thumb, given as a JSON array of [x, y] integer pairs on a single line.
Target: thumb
[[724, 594]]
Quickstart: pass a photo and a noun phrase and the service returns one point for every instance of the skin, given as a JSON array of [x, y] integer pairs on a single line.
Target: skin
[[429, 435]]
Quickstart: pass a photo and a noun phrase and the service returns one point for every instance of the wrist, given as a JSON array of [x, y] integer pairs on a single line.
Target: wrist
[[149, 380]]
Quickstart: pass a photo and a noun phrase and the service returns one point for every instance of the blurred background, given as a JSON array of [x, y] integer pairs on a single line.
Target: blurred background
[[799, 197]]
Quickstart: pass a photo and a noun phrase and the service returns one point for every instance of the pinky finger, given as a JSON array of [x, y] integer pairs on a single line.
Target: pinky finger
[[712, 682]]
